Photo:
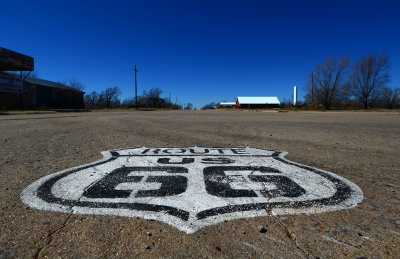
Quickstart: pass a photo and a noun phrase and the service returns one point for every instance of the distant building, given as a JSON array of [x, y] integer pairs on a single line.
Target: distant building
[[34, 93], [257, 102], [223, 105]]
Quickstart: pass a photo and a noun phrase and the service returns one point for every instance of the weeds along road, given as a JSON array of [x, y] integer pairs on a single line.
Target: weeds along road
[[364, 148]]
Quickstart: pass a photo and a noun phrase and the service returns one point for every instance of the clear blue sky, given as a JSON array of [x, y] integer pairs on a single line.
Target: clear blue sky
[[200, 51]]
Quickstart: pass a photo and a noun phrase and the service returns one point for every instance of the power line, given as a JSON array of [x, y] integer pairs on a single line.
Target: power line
[[60, 18], [51, 34]]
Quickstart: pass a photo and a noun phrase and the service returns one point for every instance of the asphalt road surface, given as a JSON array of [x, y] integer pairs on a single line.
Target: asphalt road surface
[[361, 147]]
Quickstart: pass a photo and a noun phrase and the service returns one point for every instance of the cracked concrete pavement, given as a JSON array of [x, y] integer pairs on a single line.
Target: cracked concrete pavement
[[360, 146]]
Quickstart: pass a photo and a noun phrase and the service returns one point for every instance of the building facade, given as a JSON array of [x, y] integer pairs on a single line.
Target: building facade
[[37, 93]]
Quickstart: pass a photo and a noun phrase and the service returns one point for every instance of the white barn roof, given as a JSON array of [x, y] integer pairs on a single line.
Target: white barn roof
[[258, 100], [227, 103]]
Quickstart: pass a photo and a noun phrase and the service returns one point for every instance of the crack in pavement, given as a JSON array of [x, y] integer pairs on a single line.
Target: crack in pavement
[[50, 236], [292, 237], [344, 220]]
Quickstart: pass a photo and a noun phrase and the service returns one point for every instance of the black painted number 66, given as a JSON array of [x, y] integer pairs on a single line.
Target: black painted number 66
[[216, 181]]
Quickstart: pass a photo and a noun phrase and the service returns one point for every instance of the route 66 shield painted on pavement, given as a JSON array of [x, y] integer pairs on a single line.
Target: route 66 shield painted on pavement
[[192, 187]]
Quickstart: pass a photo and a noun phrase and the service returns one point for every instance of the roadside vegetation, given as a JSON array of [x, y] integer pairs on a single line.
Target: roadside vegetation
[[334, 84], [149, 100], [339, 84]]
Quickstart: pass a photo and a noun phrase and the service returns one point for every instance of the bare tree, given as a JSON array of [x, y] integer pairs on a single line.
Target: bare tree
[[128, 102], [93, 100], [286, 103], [370, 75], [110, 96], [211, 105], [154, 97], [329, 81], [74, 83], [189, 106], [389, 98]]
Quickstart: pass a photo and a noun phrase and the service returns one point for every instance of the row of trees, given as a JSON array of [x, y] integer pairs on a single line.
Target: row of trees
[[365, 82], [105, 99], [109, 98]]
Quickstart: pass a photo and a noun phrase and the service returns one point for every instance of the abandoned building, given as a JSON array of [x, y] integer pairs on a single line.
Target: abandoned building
[[24, 92], [36, 93]]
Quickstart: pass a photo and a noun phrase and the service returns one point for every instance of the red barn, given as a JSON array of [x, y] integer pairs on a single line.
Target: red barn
[[257, 102]]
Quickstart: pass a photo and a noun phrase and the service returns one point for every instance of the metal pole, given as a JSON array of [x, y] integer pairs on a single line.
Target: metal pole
[[136, 104], [312, 86]]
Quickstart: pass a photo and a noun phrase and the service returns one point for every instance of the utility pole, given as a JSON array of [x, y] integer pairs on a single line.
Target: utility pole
[[135, 89], [312, 86]]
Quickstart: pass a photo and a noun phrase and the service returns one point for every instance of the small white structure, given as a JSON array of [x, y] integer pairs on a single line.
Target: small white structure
[[295, 96], [226, 104]]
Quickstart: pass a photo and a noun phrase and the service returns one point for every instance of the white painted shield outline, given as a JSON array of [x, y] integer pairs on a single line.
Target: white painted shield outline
[[39, 195]]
